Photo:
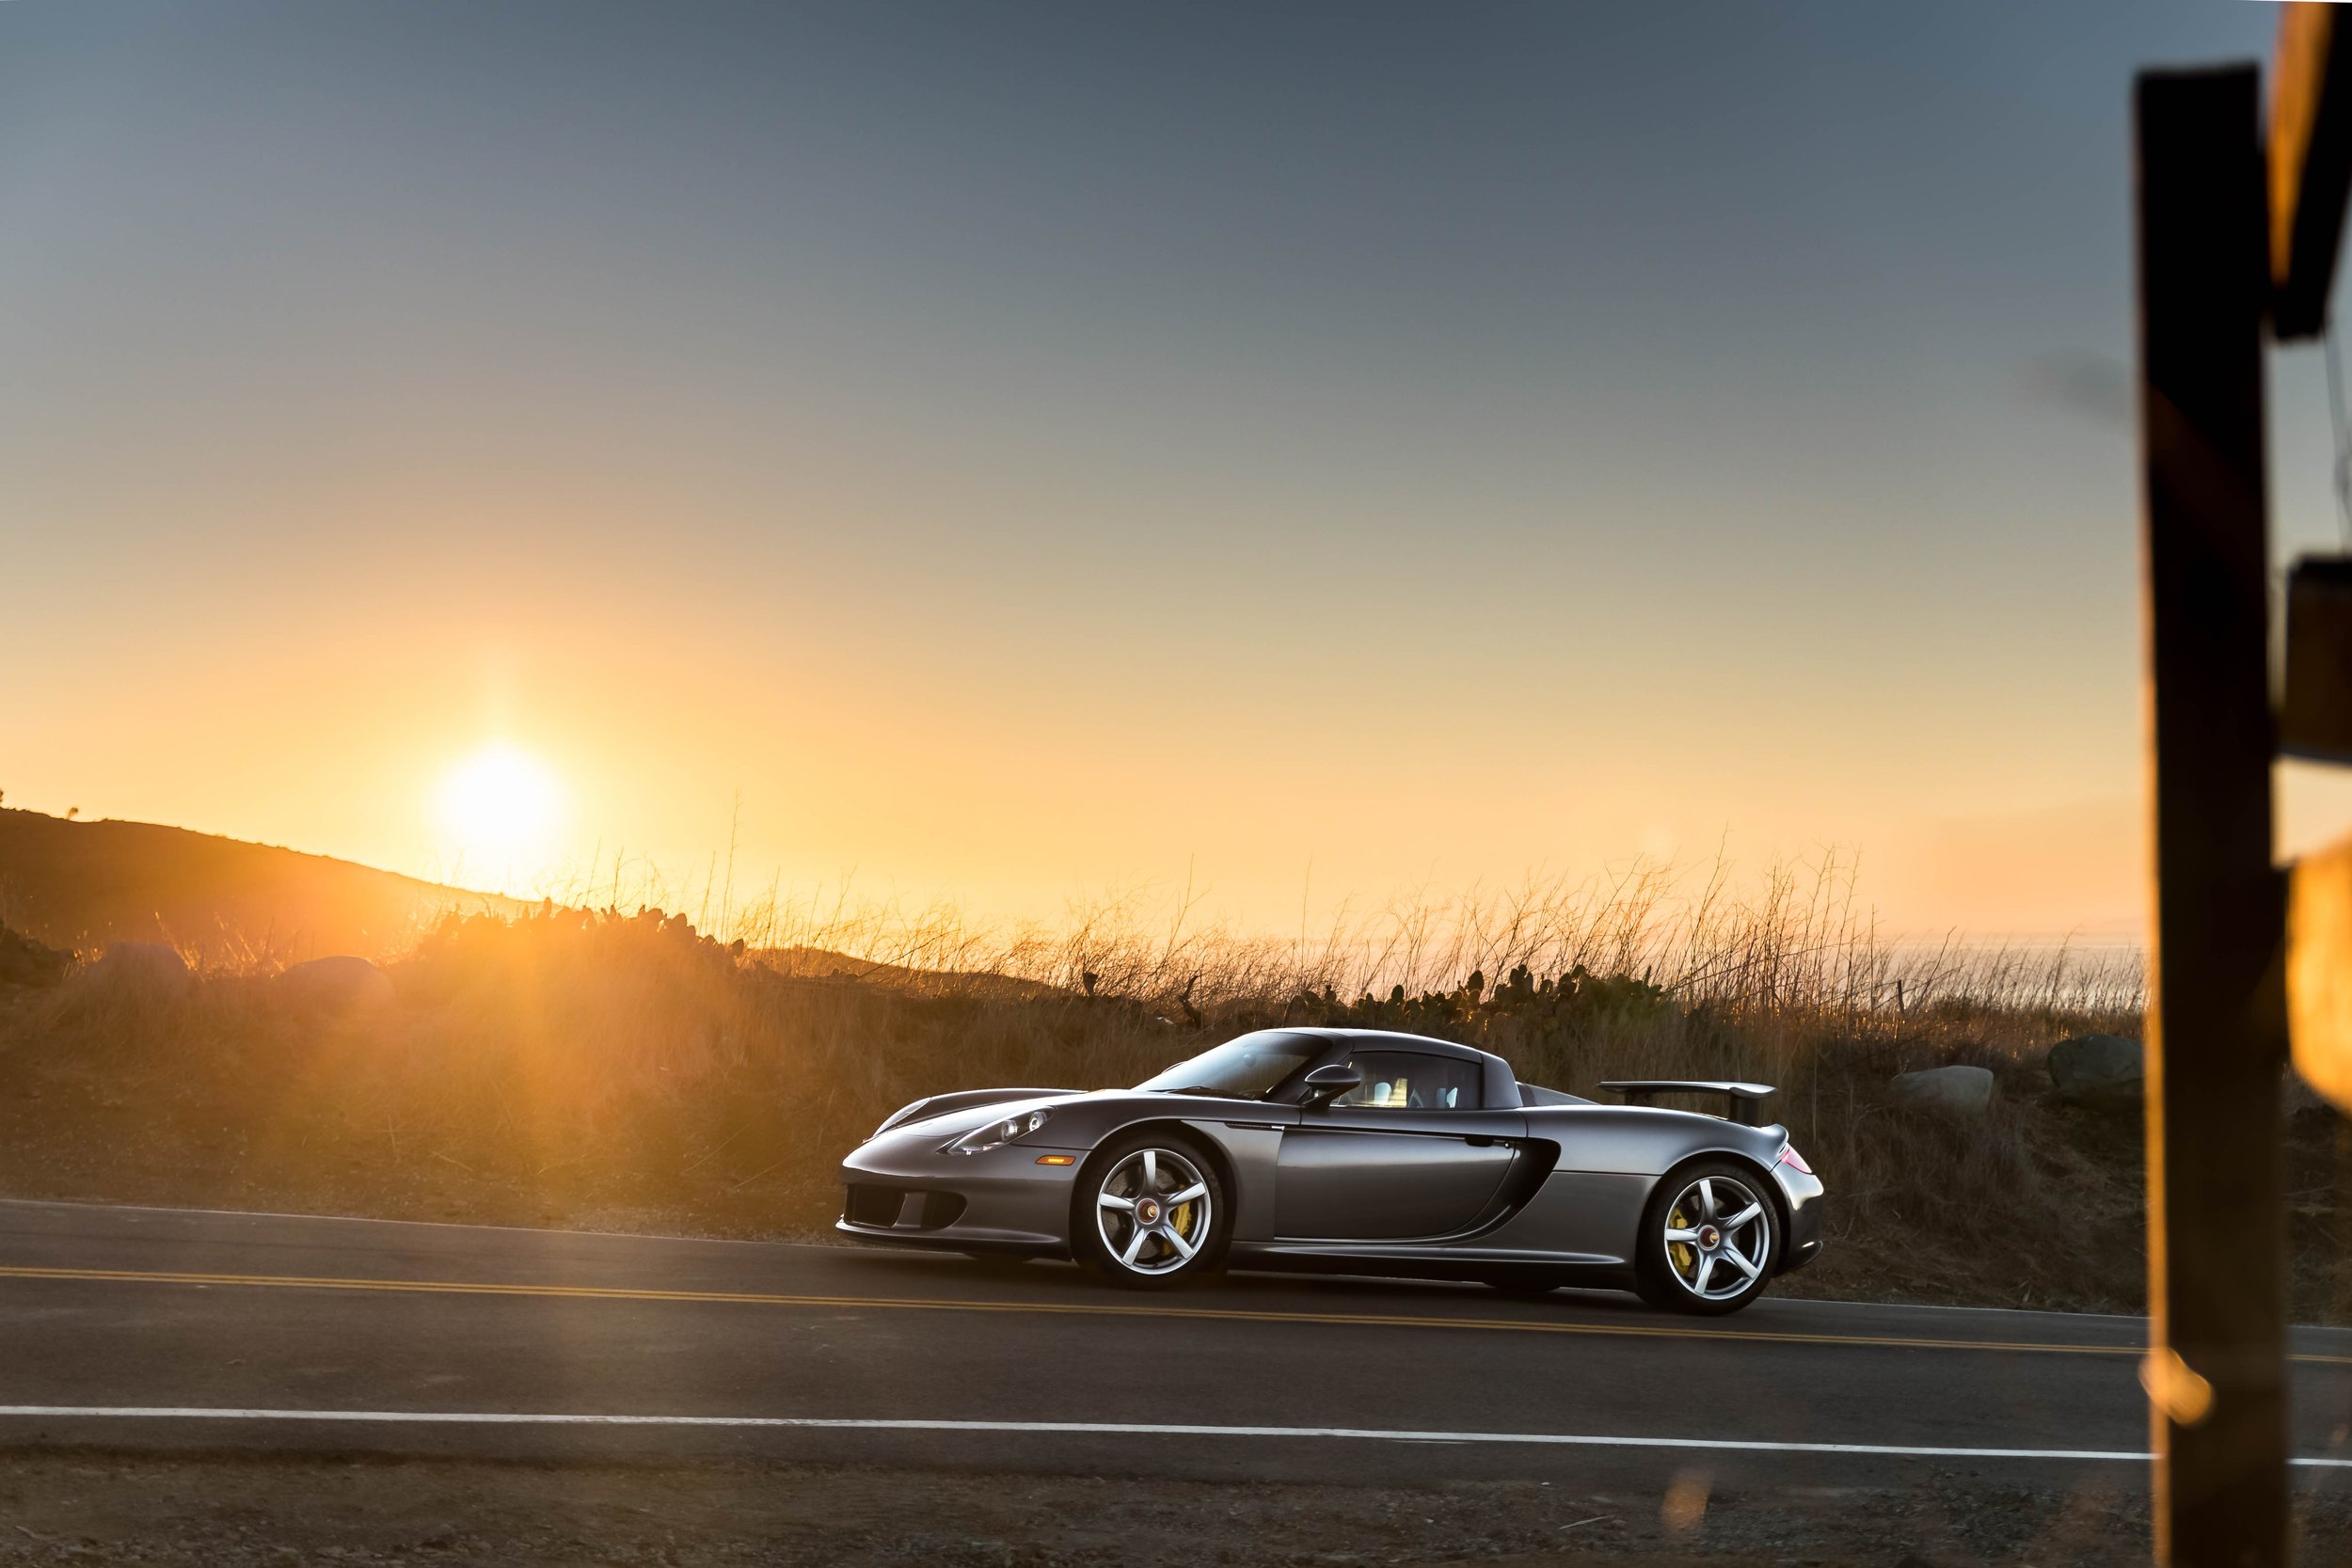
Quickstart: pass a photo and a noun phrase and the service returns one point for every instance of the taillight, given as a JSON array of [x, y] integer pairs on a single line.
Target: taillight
[[1789, 1157]]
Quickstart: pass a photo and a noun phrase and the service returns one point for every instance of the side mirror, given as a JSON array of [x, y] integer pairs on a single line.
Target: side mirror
[[1331, 1081]]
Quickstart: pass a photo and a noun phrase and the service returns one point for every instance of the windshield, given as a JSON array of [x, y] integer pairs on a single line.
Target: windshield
[[1244, 1068]]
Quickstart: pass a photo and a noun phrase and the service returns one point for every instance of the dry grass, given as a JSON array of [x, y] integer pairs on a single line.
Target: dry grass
[[598, 1068]]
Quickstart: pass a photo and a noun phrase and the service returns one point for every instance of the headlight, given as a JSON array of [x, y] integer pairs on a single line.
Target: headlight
[[996, 1132]]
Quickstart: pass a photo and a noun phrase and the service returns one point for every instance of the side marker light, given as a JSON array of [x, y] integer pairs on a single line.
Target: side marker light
[[1057, 1159]]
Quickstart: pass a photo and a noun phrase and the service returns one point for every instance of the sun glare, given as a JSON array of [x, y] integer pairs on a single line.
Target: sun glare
[[501, 808]]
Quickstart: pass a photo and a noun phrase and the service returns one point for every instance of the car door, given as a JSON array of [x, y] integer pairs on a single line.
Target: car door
[[1411, 1154]]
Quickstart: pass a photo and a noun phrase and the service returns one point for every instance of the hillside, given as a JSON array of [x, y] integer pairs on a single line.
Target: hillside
[[82, 885]]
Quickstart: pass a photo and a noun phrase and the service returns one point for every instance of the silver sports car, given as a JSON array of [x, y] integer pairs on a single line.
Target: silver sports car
[[1355, 1150]]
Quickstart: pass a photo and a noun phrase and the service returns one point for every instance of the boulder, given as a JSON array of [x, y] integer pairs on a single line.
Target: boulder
[[2098, 1070], [26, 962], [1957, 1091], [153, 966], [343, 983]]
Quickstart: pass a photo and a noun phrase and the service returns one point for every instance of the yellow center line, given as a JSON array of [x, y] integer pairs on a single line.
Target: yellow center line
[[1076, 1308]]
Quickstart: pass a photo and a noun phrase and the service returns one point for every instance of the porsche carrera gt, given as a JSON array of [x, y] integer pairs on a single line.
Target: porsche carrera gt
[[1353, 1150]]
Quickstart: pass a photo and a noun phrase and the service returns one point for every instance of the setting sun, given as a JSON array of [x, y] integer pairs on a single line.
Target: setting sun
[[500, 809]]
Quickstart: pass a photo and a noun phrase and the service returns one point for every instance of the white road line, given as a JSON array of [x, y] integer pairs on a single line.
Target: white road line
[[1117, 1428]]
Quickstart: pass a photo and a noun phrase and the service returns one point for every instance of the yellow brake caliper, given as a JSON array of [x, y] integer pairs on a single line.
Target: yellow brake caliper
[[1684, 1258]]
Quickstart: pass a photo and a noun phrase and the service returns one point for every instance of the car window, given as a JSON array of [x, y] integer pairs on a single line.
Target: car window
[[1248, 1068], [1409, 1081]]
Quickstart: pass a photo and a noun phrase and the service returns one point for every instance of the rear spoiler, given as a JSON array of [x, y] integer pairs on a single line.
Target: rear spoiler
[[1743, 1101]]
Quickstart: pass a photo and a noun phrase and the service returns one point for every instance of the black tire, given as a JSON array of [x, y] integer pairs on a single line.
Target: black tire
[[1689, 1275], [1144, 1169]]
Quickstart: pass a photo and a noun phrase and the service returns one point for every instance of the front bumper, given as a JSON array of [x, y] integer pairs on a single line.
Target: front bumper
[[902, 1189]]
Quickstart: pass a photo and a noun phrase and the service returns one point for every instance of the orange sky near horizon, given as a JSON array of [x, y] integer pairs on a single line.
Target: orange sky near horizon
[[929, 787]]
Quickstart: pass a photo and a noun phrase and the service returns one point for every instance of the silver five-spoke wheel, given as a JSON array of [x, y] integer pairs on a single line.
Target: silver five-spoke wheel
[[1718, 1237], [1154, 1211]]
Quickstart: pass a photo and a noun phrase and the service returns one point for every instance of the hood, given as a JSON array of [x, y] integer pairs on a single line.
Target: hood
[[951, 1116]]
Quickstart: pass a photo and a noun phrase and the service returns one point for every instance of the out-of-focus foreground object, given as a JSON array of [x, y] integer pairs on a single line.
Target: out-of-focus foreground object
[[2215, 1186]]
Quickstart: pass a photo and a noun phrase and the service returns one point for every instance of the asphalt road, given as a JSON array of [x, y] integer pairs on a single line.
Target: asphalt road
[[138, 1327]]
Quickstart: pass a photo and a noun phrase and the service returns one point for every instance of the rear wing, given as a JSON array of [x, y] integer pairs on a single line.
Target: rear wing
[[1742, 1102]]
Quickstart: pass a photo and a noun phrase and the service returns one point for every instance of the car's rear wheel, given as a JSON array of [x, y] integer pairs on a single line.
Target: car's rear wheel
[[1150, 1212], [1711, 1239]]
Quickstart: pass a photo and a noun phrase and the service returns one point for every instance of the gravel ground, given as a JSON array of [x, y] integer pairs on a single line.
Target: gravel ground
[[231, 1511]]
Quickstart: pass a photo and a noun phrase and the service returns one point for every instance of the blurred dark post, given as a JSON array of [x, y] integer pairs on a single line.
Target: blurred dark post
[[2215, 1371]]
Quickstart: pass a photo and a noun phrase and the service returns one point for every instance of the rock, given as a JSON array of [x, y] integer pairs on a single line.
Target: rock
[[26, 962], [343, 983], [154, 966], [1958, 1091], [2097, 1069]]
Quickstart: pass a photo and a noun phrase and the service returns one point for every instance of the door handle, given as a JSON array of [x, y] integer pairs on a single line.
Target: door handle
[[1480, 1142]]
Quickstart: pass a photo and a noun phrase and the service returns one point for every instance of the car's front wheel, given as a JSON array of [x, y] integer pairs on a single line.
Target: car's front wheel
[[1150, 1212], [1711, 1239]]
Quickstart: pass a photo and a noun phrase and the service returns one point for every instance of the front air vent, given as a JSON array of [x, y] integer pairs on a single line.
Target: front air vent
[[900, 1208], [941, 1208], [868, 1204]]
